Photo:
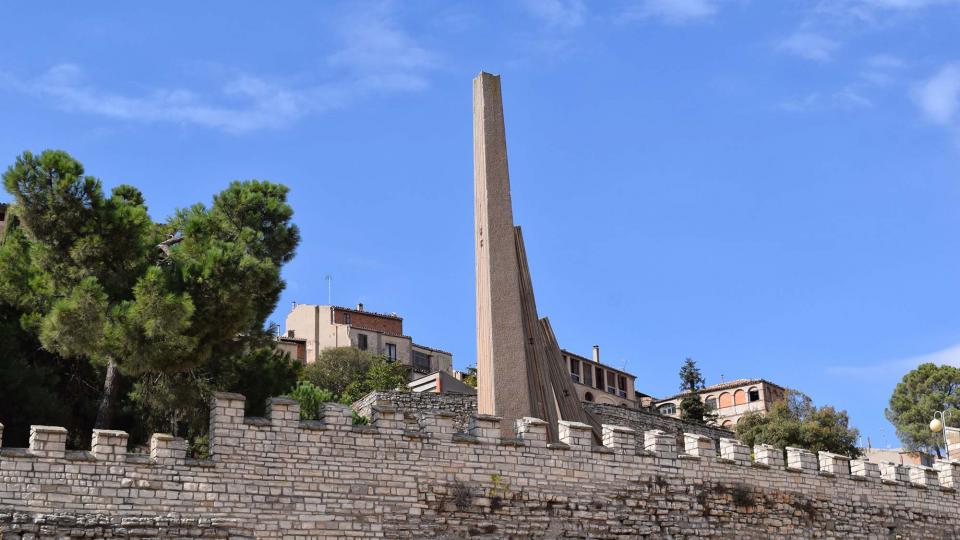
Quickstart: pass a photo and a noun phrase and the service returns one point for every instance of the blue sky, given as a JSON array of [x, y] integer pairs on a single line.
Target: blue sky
[[770, 188]]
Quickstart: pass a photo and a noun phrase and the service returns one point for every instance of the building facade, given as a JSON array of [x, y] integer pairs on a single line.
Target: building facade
[[295, 347], [599, 383], [325, 327], [730, 400]]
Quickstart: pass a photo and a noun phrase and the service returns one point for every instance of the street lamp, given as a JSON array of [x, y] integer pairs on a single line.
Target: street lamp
[[938, 424]]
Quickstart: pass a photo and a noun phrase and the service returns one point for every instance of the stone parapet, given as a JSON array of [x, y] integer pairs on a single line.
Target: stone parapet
[[273, 478]]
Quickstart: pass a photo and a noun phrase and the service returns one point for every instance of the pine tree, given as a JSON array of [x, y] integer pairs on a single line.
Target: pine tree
[[95, 278], [692, 407]]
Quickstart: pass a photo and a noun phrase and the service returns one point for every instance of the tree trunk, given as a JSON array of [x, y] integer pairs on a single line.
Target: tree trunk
[[105, 410]]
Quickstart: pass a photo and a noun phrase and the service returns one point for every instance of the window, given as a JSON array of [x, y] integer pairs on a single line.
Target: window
[[421, 362], [575, 370], [587, 375], [611, 382], [599, 371], [291, 333], [346, 318], [391, 351], [362, 342], [668, 409], [622, 386], [754, 395], [588, 396], [711, 403]]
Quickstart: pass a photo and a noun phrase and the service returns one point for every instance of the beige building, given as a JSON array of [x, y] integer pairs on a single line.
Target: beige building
[[899, 456], [324, 327], [730, 400], [599, 383]]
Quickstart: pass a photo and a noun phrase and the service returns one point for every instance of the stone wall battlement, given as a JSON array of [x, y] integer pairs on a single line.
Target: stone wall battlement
[[282, 477]]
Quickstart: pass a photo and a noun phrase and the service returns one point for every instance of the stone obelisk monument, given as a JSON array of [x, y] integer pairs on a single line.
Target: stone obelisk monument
[[501, 366], [520, 368]]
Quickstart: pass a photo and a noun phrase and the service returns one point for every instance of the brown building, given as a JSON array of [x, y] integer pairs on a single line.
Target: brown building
[[600, 383], [295, 347], [730, 400], [324, 327]]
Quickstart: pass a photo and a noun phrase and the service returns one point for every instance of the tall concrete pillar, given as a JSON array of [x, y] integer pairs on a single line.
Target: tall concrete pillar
[[501, 365]]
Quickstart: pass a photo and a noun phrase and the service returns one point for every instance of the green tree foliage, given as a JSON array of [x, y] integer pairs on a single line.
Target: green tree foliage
[[381, 374], [920, 393], [311, 399], [178, 307], [337, 368], [795, 421], [470, 376], [38, 387], [349, 374], [692, 408]]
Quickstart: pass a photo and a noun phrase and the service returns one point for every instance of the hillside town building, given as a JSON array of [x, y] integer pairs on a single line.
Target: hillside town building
[[599, 383], [323, 327], [730, 400]]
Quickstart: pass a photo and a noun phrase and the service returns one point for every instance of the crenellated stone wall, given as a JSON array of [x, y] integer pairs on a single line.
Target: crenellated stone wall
[[280, 477]]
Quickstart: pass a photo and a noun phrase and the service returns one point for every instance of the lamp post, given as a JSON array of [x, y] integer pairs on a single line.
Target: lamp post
[[938, 424]]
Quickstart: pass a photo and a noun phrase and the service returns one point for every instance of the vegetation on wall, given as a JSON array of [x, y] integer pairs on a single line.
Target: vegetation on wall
[[921, 392], [796, 421]]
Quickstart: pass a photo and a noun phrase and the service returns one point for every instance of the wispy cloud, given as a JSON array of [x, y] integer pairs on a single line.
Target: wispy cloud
[[809, 46], [874, 12], [558, 13], [877, 74], [671, 11], [897, 368], [939, 96], [847, 98], [906, 4], [375, 55], [380, 54]]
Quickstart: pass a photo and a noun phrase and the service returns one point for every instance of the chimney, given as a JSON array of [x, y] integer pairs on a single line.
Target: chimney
[[596, 353], [360, 307]]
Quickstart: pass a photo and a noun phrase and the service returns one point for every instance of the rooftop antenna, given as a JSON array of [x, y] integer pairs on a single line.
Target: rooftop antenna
[[329, 279], [721, 378]]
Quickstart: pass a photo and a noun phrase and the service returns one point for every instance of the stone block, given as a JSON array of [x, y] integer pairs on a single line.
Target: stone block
[[283, 412], [336, 416], [801, 460], [769, 455], [109, 445], [864, 468], [386, 418], [48, 441], [834, 463], [948, 473], [485, 427], [894, 473], [166, 449], [620, 439], [922, 475], [226, 409], [533, 431], [698, 445], [735, 451], [439, 423], [664, 445], [576, 435]]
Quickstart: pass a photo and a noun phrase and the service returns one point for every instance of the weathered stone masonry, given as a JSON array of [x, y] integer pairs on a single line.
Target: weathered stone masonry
[[281, 477]]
